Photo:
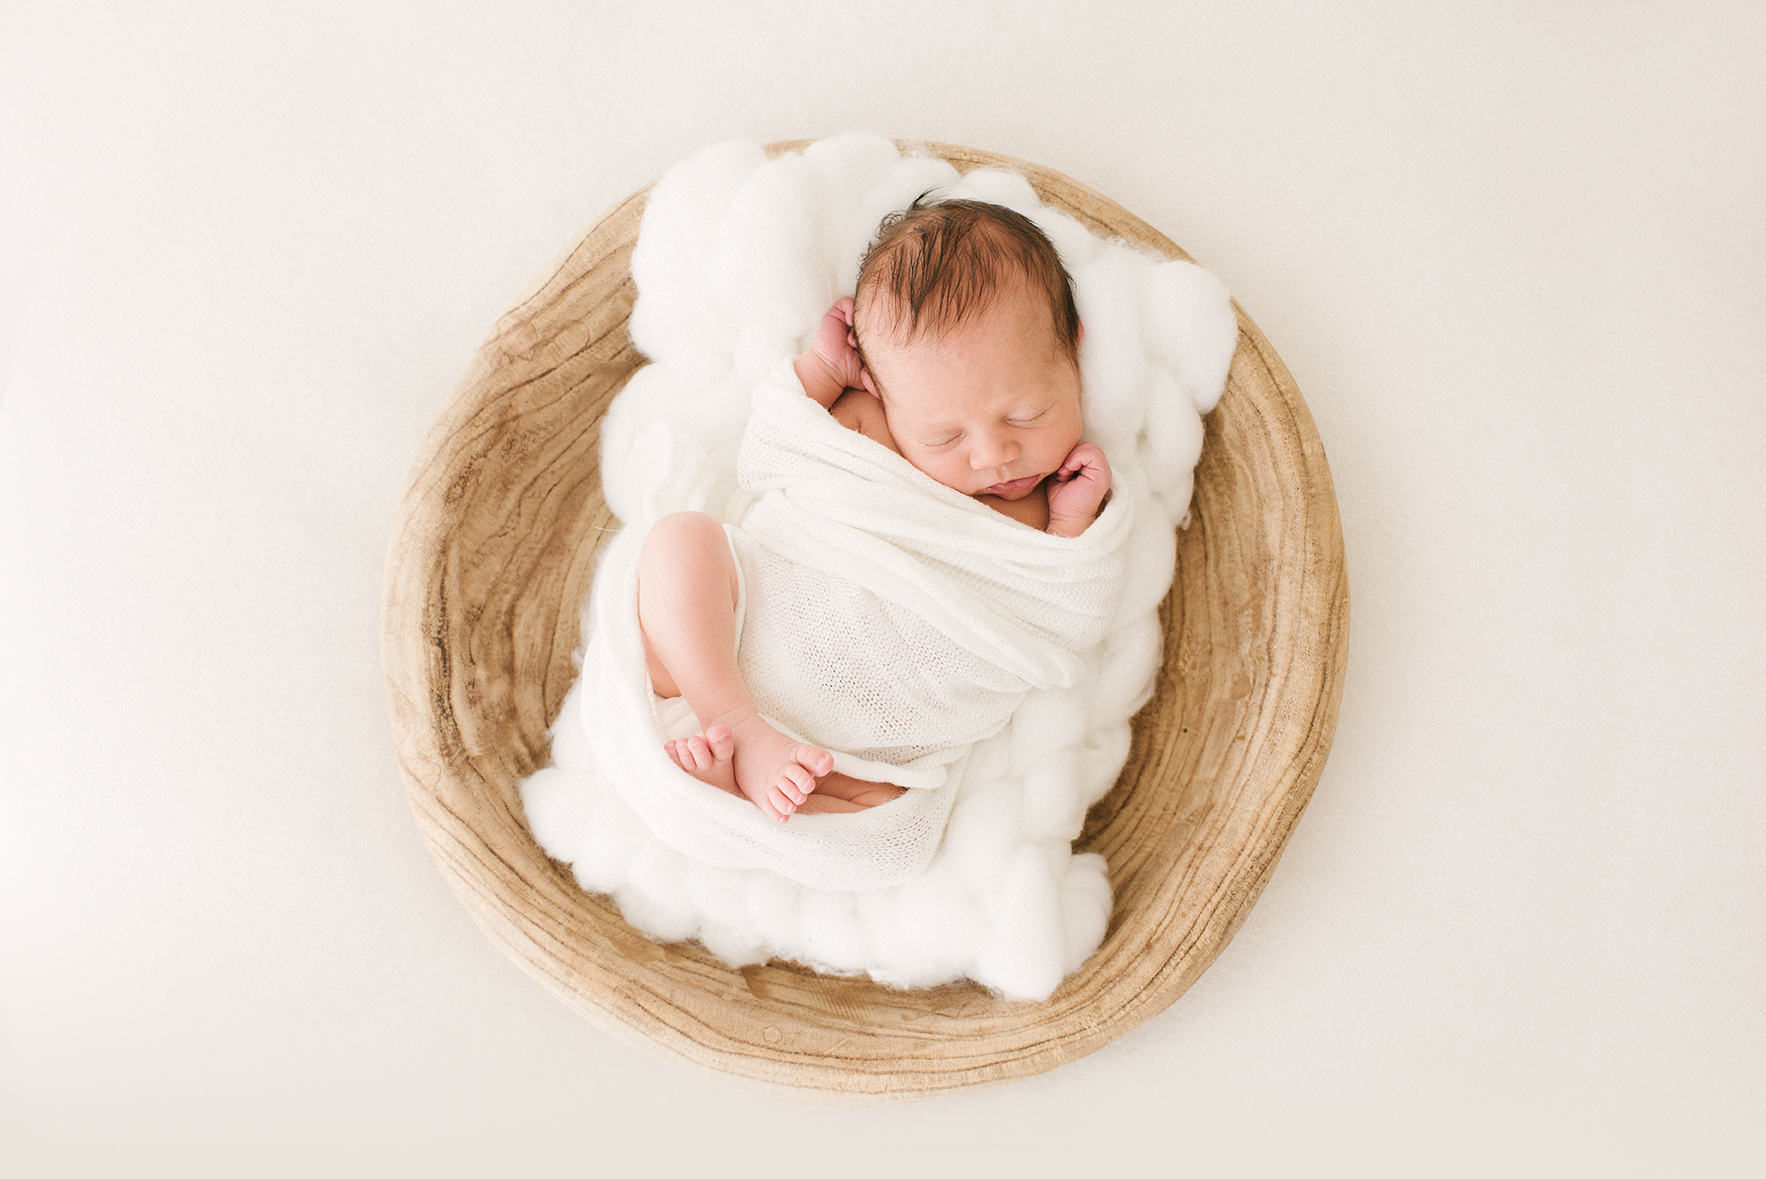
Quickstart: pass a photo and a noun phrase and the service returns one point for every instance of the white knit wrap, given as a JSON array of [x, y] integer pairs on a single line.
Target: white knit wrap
[[891, 616], [887, 618]]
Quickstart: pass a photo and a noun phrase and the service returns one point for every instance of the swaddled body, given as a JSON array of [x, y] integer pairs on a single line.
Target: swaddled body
[[916, 576], [887, 617]]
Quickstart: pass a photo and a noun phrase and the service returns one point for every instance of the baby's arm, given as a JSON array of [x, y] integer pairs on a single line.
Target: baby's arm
[[830, 365], [1077, 491]]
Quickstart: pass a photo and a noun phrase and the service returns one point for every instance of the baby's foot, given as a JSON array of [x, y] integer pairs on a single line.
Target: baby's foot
[[761, 764], [775, 772], [708, 756]]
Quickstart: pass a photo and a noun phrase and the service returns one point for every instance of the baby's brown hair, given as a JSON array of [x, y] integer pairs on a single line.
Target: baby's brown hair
[[937, 262]]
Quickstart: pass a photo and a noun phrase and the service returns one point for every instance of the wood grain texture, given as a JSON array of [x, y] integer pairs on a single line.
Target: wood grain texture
[[491, 558]]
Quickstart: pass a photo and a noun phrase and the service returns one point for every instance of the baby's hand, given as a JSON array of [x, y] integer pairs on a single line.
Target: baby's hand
[[1077, 490], [830, 364]]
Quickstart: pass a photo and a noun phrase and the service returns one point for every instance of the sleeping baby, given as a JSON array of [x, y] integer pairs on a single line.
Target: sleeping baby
[[959, 356]]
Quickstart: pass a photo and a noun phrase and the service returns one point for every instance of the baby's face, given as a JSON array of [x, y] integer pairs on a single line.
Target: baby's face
[[991, 408]]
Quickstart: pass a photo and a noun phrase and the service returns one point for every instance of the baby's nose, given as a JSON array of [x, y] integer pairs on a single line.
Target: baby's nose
[[992, 451]]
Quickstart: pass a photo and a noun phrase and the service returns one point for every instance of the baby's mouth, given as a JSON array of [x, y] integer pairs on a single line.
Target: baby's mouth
[[1013, 487]]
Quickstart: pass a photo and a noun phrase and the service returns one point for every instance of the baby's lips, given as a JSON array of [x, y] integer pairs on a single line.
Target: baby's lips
[[1012, 486]]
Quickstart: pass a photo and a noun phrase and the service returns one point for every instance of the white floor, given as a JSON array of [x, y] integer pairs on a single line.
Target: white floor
[[1514, 259]]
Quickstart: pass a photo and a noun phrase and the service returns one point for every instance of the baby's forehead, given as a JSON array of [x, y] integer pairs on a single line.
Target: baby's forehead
[[881, 321]]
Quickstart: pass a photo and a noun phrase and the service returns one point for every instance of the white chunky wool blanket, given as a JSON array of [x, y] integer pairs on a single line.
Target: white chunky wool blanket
[[1053, 641]]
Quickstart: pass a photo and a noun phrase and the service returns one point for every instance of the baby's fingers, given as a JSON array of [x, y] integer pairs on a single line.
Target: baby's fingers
[[1077, 461], [1088, 459], [843, 309]]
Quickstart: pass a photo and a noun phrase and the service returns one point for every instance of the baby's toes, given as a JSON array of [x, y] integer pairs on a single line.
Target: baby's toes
[[672, 748], [721, 742], [817, 761], [782, 802], [697, 752], [796, 782]]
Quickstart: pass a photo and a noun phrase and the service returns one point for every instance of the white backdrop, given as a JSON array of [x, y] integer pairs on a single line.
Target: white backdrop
[[1513, 258]]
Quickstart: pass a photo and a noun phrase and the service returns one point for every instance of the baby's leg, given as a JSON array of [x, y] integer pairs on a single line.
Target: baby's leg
[[687, 596]]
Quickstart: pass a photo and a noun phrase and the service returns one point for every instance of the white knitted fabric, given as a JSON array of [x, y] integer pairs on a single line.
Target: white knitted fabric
[[889, 615], [925, 638], [885, 617]]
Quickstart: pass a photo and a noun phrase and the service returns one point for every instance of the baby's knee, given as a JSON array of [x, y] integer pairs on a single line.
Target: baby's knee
[[687, 548], [685, 537], [678, 528]]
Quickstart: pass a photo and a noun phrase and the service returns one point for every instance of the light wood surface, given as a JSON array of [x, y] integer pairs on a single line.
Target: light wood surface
[[491, 557]]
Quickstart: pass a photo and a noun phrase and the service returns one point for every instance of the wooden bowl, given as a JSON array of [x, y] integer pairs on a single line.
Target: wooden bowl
[[491, 558]]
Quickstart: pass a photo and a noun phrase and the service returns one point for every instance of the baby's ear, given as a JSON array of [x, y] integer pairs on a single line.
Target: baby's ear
[[864, 374]]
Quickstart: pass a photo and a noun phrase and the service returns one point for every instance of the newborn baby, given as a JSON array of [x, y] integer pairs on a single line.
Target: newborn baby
[[960, 354]]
